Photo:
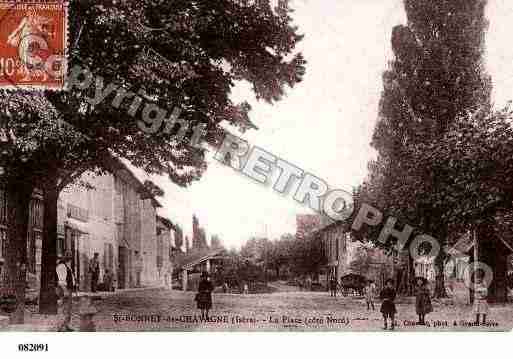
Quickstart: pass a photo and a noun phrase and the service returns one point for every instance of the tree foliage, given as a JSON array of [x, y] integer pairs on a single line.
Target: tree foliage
[[174, 54], [437, 77], [154, 189], [288, 256]]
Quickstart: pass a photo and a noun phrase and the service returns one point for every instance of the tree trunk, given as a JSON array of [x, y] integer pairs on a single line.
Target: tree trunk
[[19, 201], [400, 281], [47, 295], [492, 252], [440, 291]]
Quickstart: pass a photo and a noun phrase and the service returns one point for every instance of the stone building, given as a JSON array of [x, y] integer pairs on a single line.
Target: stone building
[[342, 253], [166, 232], [116, 218], [34, 235], [335, 242]]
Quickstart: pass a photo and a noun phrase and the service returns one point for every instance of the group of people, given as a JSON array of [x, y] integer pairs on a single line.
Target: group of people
[[388, 295], [244, 289], [67, 284], [423, 304]]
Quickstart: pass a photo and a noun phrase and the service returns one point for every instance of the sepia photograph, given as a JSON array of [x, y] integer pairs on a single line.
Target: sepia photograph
[[254, 166]]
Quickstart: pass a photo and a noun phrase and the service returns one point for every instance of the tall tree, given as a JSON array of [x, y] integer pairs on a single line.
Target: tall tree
[[216, 242], [178, 54], [187, 245], [475, 157], [436, 76]]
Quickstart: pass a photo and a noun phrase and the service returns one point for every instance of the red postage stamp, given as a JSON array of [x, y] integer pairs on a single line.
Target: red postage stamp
[[33, 40]]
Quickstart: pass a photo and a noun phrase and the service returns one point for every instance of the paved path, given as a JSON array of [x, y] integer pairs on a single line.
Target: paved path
[[282, 286], [159, 309]]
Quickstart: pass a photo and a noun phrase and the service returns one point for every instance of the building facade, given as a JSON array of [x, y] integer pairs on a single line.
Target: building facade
[[345, 256], [115, 217], [34, 235], [165, 239], [335, 243]]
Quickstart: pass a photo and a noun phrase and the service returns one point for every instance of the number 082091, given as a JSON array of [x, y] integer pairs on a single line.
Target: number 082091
[[33, 347]]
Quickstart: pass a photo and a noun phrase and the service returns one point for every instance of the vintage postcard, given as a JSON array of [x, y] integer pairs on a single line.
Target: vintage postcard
[[256, 166], [32, 44]]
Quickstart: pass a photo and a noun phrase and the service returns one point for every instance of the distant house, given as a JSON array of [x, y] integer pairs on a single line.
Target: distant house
[[343, 253], [495, 249], [306, 224], [189, 267]]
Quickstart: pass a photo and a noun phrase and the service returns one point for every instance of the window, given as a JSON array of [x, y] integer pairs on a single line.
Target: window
[[36, 213], [60, 246], [78, 213]]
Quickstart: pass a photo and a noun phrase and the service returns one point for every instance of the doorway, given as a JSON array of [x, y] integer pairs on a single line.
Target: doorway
[[122, 266]]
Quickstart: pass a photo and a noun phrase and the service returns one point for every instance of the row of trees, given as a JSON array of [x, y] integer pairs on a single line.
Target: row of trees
[[263, 260], [444, 154], [59, 135]]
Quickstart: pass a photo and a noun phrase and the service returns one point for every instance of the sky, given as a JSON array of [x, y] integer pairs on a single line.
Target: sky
[[324, 125]]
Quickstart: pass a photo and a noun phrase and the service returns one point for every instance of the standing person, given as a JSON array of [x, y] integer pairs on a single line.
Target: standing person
[[423, 304], [245, 289], [204, 295], [480, 299], [308, 283], [388, 308], [94, 269], [370, 291], [225, 287], [333, 286], [65, 288], [108, 280]]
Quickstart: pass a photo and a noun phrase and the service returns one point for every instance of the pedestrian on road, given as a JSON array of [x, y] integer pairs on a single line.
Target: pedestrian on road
[[94, 269], [480, 301], [245, 288], [333, 286], [308, 283], [65, 288], [423, 304], [370, 292], [388, 308], [204, 295]]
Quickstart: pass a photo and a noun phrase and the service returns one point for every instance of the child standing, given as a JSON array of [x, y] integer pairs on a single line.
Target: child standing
[[480, 299], [388, 308], [333, 286], [423, 304], [370, 290]]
